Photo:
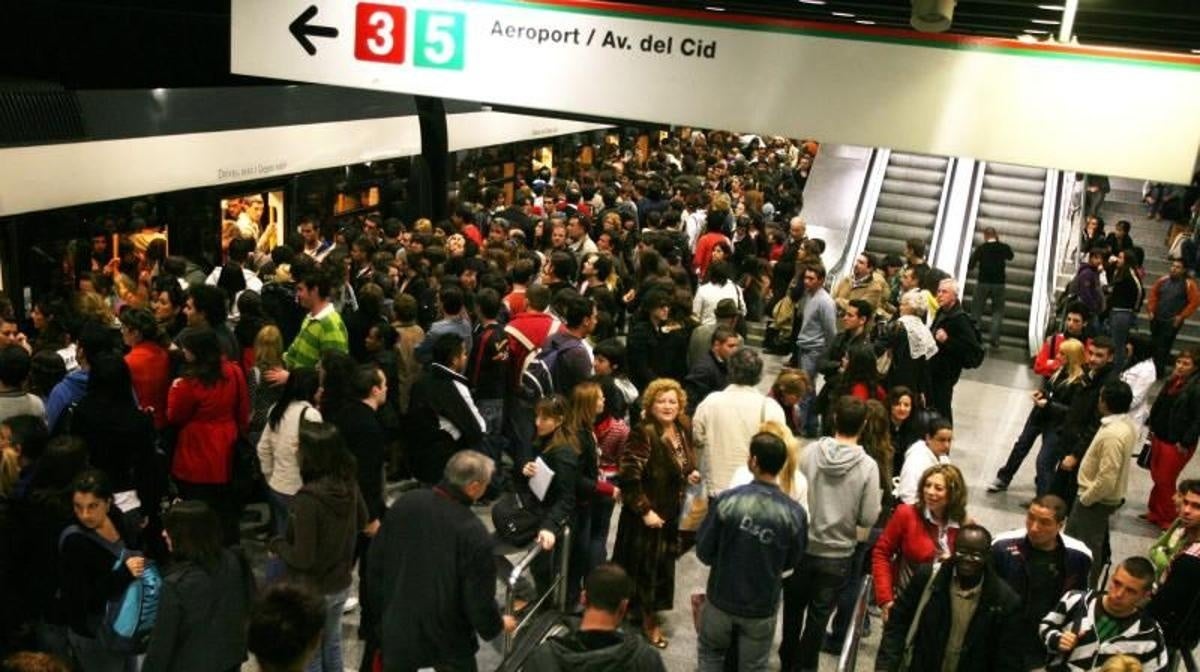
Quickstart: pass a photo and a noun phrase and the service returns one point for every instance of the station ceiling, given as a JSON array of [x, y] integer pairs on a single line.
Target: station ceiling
[[1159, 25], [185, 43]]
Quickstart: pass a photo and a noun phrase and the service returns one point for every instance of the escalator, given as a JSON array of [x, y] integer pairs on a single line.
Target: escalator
[[909, 202], [1011, 202]]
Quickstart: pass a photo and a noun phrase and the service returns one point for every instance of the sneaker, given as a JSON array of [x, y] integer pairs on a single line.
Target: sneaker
[[997, 485], [350, 605]]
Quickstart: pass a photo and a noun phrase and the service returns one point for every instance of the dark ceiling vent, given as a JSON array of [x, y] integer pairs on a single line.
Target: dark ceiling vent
[[39, 117]]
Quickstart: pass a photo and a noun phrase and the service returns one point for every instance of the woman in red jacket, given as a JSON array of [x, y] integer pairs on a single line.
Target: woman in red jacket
[[210, 407], [149, 363], [919, 534]]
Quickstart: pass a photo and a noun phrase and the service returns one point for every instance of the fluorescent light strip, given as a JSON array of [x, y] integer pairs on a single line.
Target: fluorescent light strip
[[1035, 31], [844, 15], [812, 2], [715, 9], [865, 22], [1047, 22], [1052, 8]]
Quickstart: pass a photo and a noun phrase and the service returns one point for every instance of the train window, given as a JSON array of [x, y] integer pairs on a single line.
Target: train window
[[258, 216]]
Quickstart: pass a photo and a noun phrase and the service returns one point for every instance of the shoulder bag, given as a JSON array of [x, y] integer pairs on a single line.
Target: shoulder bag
[[906, 663]]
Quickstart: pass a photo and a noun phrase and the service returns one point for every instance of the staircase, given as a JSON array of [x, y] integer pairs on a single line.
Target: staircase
[[1124, 201], [1011, 202], [908, 202]]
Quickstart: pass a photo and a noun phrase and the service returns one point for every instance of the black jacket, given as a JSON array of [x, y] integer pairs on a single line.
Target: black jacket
[[1176, 603], [907, 371], [991, 257], [433, 395], [202, 616], [559, 503], [1175, 418], [366, 439], [594, 651], [707, 376], [991, 637], [121, 443], [1011, 553], [88, 579], [841, 344], [432, 578], [961, 340], [1082, 420]]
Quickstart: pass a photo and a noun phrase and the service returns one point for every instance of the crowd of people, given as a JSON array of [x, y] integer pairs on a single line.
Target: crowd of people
[[569, 354]]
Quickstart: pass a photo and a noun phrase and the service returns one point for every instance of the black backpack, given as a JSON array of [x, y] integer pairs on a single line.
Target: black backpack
[[973, 358]]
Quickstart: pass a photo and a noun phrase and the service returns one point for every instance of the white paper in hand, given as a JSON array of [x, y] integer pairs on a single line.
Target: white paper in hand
[[540, 482]]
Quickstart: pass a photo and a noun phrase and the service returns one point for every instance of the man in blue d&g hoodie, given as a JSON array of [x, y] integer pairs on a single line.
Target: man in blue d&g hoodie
[[753, 536], [844, 494]]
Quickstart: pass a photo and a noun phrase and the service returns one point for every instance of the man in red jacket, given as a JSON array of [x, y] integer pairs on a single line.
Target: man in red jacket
[[1074, 326], [527, 332]]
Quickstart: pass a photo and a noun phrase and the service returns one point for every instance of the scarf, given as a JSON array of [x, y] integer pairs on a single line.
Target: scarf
[[920, 339]]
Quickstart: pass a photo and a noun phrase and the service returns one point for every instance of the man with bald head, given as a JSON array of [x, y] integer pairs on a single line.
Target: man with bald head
[[958, 347]]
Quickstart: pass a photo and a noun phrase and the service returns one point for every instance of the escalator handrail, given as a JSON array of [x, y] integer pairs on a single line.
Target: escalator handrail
[[848, 658], [557, 590], [864, 213]]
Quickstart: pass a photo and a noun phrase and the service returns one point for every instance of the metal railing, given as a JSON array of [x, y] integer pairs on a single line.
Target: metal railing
[[556, 590], [848, 659]]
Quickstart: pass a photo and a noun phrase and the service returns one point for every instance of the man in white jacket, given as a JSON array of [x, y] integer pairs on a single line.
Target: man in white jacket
[[726, 420]]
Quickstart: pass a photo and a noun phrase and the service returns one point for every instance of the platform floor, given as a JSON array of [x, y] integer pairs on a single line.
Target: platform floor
[[990, 407]]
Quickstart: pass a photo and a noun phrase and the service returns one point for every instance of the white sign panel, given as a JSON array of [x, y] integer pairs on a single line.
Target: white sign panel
[[998, 100], [88, 172]]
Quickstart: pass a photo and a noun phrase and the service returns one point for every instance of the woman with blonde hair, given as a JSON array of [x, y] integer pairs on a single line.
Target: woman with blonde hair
[[791, 479], [1050, 404], [919, 533], [268, 355], [1121, 663], [656, 467]]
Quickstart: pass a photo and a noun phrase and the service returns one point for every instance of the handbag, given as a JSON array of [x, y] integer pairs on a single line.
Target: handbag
[[883, 363], [1144, 457], [516, 521]]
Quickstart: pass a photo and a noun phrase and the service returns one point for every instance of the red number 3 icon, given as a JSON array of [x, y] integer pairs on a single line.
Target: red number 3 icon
[[379, 33]]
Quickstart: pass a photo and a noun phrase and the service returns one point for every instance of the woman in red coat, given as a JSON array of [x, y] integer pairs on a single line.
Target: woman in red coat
[[149, 363], [919, 534], [210, 407]]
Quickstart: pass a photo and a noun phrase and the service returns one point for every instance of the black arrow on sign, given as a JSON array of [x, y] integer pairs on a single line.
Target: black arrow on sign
[[302, 31]]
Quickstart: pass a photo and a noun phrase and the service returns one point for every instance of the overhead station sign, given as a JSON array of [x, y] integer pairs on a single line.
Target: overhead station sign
[[1066, 107]]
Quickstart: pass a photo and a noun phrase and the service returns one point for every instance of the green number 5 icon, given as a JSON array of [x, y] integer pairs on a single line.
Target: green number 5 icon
[[440, 40]]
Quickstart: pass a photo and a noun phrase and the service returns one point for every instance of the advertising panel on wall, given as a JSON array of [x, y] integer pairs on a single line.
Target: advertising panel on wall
[[997, 100]]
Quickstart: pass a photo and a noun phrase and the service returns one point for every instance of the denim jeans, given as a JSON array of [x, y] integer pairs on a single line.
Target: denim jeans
[[328, 657], [602, 510], [809, 360], [848, 595], [279, 503], [495, 444], [519, 417], [720, 631], [809, 596], [1120, 323], [997, 293], [1047, 462], [1021, 447]]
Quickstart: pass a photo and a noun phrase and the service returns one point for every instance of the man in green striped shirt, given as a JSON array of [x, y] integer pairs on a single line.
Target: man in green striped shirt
[[322, 329]]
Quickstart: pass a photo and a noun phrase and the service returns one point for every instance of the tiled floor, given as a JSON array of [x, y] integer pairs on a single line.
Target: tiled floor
[[990, 406]]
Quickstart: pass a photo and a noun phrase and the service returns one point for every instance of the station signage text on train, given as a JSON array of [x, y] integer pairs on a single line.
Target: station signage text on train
[[998, 100]]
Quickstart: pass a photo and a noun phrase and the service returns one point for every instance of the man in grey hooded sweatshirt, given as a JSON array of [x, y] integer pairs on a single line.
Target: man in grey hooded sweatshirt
[[843, 494]]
